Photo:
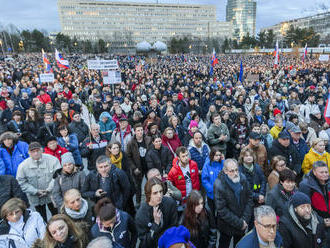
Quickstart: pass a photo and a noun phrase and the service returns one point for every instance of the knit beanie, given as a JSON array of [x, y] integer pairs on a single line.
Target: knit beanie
[[67, 158], [193, 124], [276, 111], [174, 235], [299, 198]]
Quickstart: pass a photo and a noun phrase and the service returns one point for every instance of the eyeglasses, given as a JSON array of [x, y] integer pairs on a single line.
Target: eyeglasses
[[268, 226], [232, 171]]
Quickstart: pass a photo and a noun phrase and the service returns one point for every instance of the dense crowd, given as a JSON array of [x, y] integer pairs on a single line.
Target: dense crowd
[[171, 157]]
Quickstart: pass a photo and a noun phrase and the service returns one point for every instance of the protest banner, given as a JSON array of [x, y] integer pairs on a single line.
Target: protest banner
[[111, 77], [46, 77], [102, 64], [324, 57]]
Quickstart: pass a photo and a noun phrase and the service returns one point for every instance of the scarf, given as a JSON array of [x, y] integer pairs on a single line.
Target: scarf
[[236, 187], [78, 214], [117, 161], [321, 154], [249, 168]]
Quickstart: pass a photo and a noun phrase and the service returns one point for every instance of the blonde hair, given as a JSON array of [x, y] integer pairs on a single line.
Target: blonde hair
[[316, 141], [69, 193], [12, 205], [246, 150]]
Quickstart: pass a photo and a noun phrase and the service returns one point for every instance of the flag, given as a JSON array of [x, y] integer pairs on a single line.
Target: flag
[[48, 67], [60, 61], [214, 61], [327, 110], [277, 55], [304, 54], [241, 72]]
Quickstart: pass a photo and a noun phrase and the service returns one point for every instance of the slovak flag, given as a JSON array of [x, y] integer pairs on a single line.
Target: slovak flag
[[305, 53], [214, 59], [276, 55], [48, 67], [60, 61], [327, 110]]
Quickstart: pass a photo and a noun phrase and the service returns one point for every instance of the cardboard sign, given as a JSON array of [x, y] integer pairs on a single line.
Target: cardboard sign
[[252, 77], [111, 77], [102, 64], [46, 77], [324, 57]]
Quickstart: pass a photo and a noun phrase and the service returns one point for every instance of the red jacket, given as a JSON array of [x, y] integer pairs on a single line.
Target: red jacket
[[67, 95], [45, 98], [59, 151], [171, 144], [176, 176]]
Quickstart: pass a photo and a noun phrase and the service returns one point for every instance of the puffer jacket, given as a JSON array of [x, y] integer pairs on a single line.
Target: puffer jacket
[[177, 178], [229, 213], [9, 189], [295, 235], [58, 152], [64, 182], [10, 162], [161, 160], [313, 156], [123, 233], [72, 146], [106, 126], [210, 172], [34, 227], [199, 155], [80, 129], [33, 177]]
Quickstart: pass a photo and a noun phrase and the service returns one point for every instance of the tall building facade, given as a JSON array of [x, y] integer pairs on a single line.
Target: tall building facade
[[93, 20], [242, 15]]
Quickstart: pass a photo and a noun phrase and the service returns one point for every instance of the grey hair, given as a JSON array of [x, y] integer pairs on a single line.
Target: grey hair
[[95, 125], [263, 211], [229, 161], [98, 242], [103, 159], [318, 164], [151, 171]]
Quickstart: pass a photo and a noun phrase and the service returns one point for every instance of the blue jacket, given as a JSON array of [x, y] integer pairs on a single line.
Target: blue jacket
[[198, 157], [109, 125], [9, 163], [73, 147], [209, 174], [123, 233], [256, 179], [302, 148], [250, 240]]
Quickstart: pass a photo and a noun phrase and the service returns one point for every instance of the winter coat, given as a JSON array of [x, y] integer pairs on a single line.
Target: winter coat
[[171, 144], [109, 125], [133, 153], [148, 231], [250, 240], [127, 136], [202, 127], [273, 179], [310, 186], [229, 213], [120, 187], [72, 146], [162, 160], [290, 153], [313, 156], [306, 109], [275, 130], [30, 131], [210, 172], [64, 182], [301, 147], [310, 136], [9, 189], [45, 133], [45, 98], [278, 199], [295, 235], [256, 180], [33, 177], [214, 133], [261, 153], [179, 130], [34, 227], [80, 129], [10, 162], [177, 178], [93, 153], [123, 233], [58, 152], [199, 155]]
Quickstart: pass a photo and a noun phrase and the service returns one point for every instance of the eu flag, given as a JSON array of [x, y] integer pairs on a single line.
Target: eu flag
[[241, 73]]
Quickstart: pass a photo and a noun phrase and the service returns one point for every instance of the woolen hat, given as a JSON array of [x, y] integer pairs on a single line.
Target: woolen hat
[[67, 158], [284, 135], [300, 198], [174, 235]]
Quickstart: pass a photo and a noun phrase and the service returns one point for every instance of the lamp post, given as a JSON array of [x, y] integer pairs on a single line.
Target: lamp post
[[3, 53]]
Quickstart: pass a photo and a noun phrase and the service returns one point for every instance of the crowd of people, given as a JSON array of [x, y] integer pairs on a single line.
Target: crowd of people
[[173, 156]]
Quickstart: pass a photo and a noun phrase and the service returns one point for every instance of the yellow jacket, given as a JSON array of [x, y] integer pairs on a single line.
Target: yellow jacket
[[312, 157], [275, 130]]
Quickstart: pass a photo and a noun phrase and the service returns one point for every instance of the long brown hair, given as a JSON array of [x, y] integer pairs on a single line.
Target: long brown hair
[[191, 220]]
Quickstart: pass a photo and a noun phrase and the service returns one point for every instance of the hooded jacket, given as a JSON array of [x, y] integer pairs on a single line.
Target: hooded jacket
[[311, 157], [106, 126], [210, 173]]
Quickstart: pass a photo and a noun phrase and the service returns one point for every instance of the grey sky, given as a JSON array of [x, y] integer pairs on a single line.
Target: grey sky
[[42, 14]]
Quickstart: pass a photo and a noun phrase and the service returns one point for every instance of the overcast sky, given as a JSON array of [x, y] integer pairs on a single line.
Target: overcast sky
[[30, 14]]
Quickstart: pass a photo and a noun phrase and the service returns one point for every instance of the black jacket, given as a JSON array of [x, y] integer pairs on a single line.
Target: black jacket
[[45, 133], [30, 131], [229, 213], [162, 160], [295, 235], [93, 153], [119, 187], [148, 230], [80, 129], [290, 153], [10, 188]]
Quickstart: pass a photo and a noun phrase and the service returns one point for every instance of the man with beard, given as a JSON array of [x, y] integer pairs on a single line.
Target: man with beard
[[233, 203], [301, 227], [198, 149]]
